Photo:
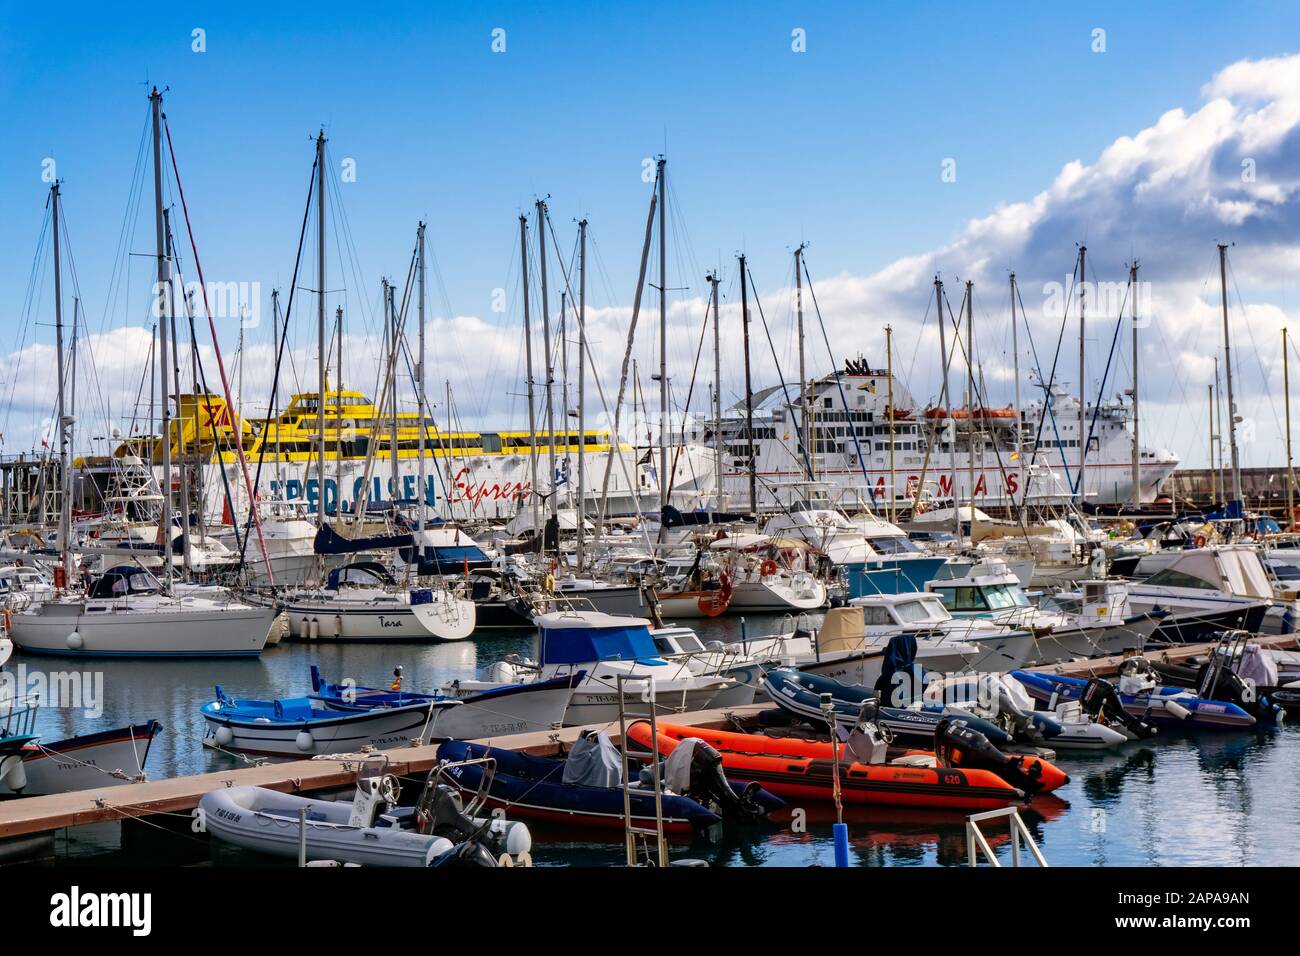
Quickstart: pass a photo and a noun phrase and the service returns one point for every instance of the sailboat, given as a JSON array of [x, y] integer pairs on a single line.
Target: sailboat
[[129, 612], [361, 600]]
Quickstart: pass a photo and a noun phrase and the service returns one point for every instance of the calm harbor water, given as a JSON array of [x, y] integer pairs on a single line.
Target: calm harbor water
[[1219, 799]]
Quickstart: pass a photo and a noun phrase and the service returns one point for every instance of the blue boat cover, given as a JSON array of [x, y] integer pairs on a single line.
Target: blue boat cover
[[582, 645]]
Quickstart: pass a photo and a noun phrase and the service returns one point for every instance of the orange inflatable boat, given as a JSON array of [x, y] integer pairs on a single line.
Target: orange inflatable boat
[[803, 770]]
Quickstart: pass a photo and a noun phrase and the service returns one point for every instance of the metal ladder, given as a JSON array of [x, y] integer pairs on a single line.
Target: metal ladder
[[976, 842], [633, 833]]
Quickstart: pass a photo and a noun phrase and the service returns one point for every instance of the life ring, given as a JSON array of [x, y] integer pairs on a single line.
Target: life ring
[[1200, 541], [767, 568]]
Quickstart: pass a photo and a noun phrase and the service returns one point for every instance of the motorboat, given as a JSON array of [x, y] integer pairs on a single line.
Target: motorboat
[[303, 727], [1142, 696], [1209, 590], [850, 642], [1100, 624], [797, 769], [609, 648], [1003, 700], [585, 788], [105, 758], [370, 830], [527, 707]]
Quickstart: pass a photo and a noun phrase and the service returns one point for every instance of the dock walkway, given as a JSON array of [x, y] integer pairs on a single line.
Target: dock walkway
[[179, 795]]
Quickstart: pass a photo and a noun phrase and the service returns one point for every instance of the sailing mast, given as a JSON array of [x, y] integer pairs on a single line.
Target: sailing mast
[[1137, 447], [1015, 367], [338, 415], [971, 429], [581, 390], [1214, 474], [528, 359], [1286, 395], [803, 372], [162, 305], [712, 277], [320, 331], [950, 423], [65, 500], [182, 444], [421, 400], [1227, 363], [582, 378], [393, 347], [550, 368], [749, 394], [663, 340], [889, 370], [1083, 297]]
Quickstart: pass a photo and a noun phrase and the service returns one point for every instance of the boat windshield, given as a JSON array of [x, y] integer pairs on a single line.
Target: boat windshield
[[1001, 596], [913, 612], [893, 545]]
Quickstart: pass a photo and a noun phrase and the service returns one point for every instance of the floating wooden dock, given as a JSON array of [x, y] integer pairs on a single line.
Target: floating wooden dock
[[1109, 666], [180, 795]]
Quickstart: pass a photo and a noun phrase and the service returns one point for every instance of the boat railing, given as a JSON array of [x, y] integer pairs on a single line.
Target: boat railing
[[18, 715], [977, 843]]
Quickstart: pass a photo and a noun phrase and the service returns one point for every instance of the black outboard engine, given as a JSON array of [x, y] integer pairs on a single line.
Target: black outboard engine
[[1102, 703], [1226, 685], [709, 787], [439, 813], [957, 745]]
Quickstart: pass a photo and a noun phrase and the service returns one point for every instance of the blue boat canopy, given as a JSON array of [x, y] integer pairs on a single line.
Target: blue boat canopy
[[582, 645]]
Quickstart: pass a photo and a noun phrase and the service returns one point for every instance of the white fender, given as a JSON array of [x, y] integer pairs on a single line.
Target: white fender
[[304, 741]]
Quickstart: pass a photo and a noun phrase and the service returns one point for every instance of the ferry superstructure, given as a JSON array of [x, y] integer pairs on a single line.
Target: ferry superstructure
[[468, 474], [1027, 455]]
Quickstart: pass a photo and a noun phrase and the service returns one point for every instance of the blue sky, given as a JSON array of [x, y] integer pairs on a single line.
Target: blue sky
[[840, 146]]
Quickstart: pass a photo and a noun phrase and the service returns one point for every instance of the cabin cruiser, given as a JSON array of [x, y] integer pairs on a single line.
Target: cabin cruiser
[[850, 643], [1208, 590], [1102, 623], [608, 648], [362, 601], [127, 613]]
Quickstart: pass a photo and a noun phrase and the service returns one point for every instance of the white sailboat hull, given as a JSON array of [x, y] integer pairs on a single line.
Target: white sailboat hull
[[445, 618], [69, 629]]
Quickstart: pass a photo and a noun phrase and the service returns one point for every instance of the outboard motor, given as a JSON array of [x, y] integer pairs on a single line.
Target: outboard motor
[[957, 745], [1216, 681], [439, 813], [1101, 702], [709, 787]]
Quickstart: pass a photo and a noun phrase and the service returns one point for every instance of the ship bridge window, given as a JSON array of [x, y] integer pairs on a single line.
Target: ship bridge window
[[491, 442]]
